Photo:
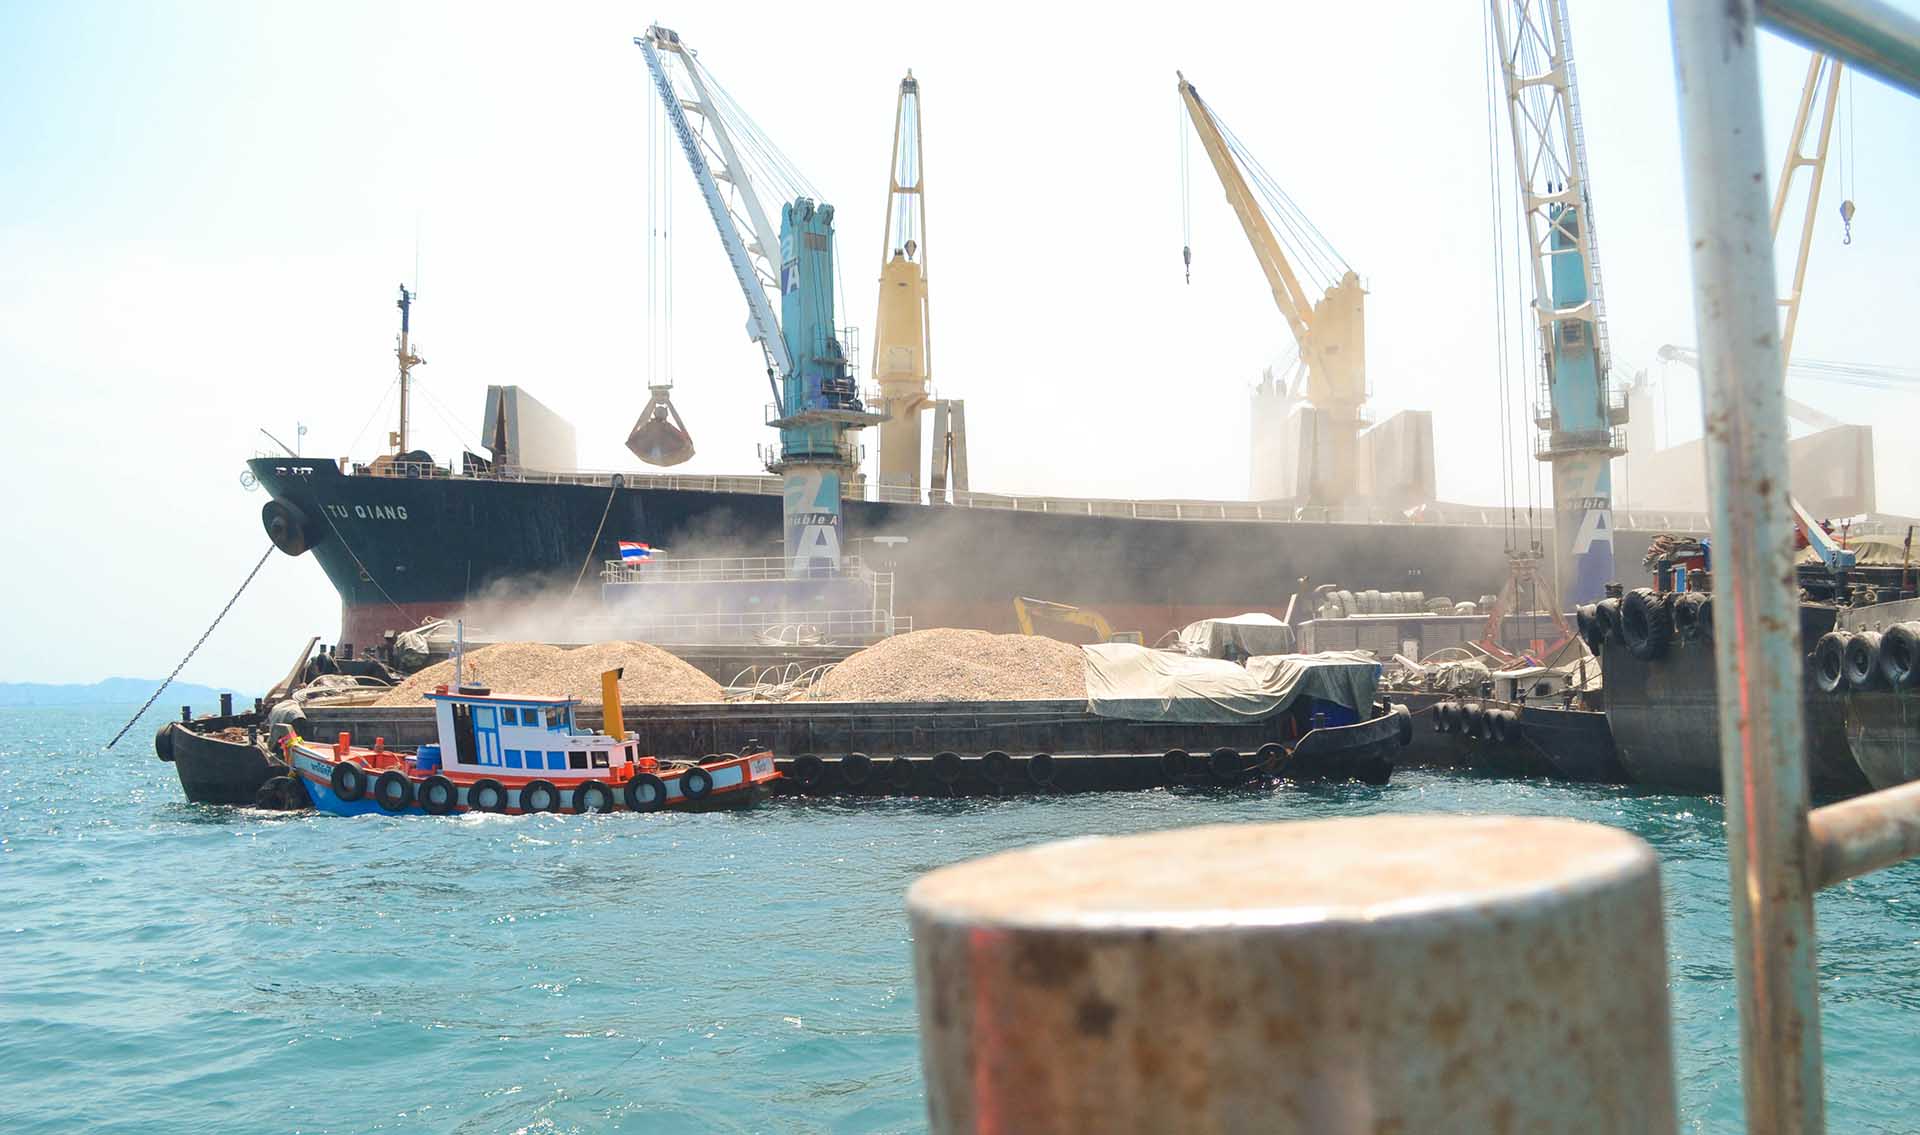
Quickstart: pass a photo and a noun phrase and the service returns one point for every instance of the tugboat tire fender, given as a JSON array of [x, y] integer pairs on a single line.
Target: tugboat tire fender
[[1273, 754], [349, 781], [900, 771], [648, 793], [1686, 615], [487, 795], [287, 526], [438, 796], [592, 796], [1863, 661], [539, 796], [392, 791], [696, 783], [1830, 662], [1403, 717], [1900, 655], [163, 742]]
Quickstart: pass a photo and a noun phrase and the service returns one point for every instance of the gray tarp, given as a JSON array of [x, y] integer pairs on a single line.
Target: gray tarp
[[1133, 682], [1249, 634]]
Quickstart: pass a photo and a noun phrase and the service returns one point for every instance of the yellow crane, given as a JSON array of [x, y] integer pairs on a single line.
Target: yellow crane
[[1330, 330], [901, 360]]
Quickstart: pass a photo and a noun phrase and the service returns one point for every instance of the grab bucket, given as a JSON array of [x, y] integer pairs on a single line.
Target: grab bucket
[[660, 437]]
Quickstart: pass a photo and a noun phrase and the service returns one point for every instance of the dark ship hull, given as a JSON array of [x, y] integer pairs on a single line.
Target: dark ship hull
[[402, 549], [1665, 716]]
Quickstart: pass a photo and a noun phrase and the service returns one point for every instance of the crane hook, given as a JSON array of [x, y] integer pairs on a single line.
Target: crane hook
[[1846, 221], [1186, 254]]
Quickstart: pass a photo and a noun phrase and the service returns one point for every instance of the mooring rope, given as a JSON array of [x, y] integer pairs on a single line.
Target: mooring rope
[[196, 647], [613, 487]]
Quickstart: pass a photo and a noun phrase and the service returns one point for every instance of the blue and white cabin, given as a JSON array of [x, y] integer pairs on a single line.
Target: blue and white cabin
[[522, 735]]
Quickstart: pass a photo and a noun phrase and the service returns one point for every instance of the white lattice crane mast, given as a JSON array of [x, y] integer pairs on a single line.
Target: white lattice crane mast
[[1576, 412], [902, 360]]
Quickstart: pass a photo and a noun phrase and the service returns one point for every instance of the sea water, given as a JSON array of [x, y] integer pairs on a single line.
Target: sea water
[[169, 967]]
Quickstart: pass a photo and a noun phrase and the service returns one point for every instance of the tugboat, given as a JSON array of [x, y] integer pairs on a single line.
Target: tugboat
[[519, 754]]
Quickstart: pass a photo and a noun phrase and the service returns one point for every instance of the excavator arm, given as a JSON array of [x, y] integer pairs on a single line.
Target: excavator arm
[[1024, 610]]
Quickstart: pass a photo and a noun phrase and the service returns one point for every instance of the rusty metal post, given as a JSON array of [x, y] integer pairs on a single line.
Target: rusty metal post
[[1431, 974], [1756, 611], [1865, 834]]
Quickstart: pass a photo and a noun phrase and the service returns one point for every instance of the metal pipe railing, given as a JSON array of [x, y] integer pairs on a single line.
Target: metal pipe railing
[[1778, 854], [1875, 37]]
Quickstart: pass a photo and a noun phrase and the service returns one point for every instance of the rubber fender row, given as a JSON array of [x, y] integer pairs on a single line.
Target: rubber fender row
[[1224, 766], [1646, 622], [1477, 721], [1868, 660], [437, 795], [857, 770]]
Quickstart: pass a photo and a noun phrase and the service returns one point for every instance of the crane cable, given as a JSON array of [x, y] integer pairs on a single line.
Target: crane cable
[[1181, 126]]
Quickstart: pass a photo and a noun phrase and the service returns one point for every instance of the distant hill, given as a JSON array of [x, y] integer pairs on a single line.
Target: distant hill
[[118, 691]]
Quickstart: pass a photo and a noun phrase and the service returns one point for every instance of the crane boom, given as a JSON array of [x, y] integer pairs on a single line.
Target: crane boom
[[1292, 300], [1818, 68], [1330, 332], [763, 326]]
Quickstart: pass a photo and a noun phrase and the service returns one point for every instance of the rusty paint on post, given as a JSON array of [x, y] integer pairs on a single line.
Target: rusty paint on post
[[1383, 974], [1756, 610], [1865, 834]]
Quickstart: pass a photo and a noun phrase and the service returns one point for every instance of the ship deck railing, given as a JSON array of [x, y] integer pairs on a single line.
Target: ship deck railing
[[716, 628], [1780, 850], [1643, 520], [724, 569]]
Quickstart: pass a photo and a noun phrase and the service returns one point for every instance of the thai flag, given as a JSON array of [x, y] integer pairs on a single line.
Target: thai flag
[[631, 552]]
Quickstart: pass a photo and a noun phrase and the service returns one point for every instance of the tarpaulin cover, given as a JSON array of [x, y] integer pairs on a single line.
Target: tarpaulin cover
[[1249, 634], [1133, 682]]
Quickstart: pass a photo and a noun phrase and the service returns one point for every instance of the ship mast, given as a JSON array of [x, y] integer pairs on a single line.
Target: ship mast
[[408, 360]]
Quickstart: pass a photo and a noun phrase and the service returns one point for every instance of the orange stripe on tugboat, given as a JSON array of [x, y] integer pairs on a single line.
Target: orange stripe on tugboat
[[520, 753]]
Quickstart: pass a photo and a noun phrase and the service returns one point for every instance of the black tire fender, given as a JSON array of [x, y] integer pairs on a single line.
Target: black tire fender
[[900, 772], [1863, 661], [487, 795], [592, 796], [1900, 655], [163, 742], [1606, 620], [1686, 615], [1226, 766], [1830, 662], [947, 767], [1403, 717], [1041, 770], [1176, 764], [393, 791], [806, 770], [539, 796], [349, 781], [1271, 756], [1474, 720], [648, 793], [856, 769], [437, 795], [696, 784], [996, 766], [1646, 623]]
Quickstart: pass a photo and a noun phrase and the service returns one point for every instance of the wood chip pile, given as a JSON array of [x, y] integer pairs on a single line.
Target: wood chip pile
[[958, 665], [653, 677]]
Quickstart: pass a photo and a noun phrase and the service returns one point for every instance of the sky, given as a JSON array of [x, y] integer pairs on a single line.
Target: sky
[[205, 210]]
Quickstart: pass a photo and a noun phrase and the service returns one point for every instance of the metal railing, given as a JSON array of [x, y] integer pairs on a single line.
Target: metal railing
[[1779, 853], [793, 627], [728, 569]]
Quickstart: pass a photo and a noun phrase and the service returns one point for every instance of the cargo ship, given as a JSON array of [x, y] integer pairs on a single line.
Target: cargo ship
[[406, 541]]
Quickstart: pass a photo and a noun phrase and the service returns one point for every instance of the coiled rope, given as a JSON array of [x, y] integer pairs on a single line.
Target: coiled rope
[[196, 647]]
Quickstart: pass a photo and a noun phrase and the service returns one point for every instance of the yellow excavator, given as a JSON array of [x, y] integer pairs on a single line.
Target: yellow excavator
[[1026, 609]]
